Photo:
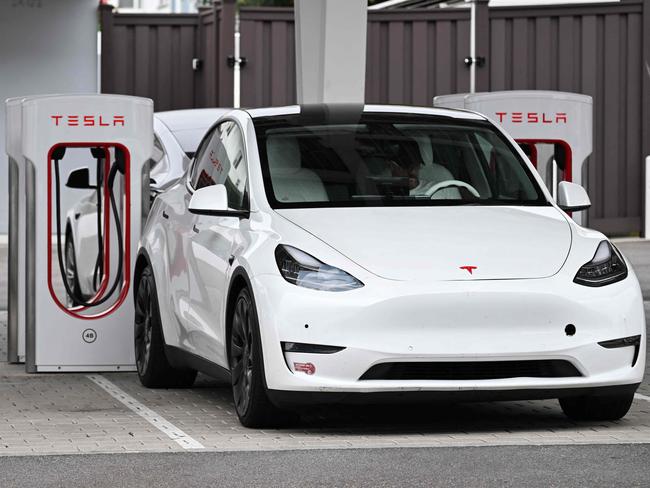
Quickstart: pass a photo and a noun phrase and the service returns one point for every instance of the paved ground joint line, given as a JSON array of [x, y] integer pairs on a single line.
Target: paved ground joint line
[[169, 429]]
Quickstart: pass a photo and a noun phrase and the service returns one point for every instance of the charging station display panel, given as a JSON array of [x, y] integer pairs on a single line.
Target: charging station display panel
[[86, 156]]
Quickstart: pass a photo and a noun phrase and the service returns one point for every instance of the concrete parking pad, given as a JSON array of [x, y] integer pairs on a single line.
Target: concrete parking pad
[[72, 413]]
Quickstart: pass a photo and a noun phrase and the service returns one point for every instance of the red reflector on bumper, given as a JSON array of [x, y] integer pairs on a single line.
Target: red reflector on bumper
[[307, 368]]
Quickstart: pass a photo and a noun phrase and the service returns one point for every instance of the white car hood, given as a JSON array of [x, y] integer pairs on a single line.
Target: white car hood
[[425, 243]]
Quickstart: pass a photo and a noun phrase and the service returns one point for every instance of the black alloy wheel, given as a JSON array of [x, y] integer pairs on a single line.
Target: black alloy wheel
[[241, 354], [154, 370], [252, 403], [71, 277]]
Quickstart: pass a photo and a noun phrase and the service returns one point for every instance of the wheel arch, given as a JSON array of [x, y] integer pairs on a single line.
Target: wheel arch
[[141, 262], [238, 281]]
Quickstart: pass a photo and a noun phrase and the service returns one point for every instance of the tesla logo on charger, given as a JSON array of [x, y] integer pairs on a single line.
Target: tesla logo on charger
[[307, 368], [469, 269], [88, 120], [532, 117]]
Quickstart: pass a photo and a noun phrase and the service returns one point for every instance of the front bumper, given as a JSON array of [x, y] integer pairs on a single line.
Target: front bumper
[[498, 320]]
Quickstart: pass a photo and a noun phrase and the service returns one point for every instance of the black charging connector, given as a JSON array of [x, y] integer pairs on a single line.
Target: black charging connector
[[98, 153]]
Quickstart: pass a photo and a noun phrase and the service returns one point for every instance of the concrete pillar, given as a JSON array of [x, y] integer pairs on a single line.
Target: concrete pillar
[[331, 50]]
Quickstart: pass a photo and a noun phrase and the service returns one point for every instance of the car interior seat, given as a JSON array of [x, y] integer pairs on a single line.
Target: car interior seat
[[292, 182], [432, 173]]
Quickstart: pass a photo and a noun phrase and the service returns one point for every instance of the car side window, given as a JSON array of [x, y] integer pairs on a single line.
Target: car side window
[[222, 160], [196, 162]]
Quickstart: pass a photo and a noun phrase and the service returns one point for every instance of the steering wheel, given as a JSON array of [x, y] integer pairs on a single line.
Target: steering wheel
[[447, 183]]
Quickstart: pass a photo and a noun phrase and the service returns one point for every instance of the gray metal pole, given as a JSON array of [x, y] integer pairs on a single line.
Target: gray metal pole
[[472, 47], [236, 95]]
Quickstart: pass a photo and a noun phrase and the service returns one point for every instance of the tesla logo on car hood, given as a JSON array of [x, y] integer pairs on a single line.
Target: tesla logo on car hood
[[469, 269]]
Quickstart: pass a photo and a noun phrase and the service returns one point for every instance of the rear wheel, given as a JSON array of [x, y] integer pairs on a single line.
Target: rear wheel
[[252, 403], [153, 368], [595, 407], [71, 277]]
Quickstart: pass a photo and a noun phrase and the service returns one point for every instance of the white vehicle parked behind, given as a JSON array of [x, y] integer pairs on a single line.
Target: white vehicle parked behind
[[177, 135]]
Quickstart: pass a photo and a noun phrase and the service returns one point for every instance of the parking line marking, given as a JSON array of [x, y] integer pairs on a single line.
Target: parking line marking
[[173, 432], [642, 397]]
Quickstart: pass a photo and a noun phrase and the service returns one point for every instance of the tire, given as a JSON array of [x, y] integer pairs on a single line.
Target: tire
[[594, 407], [71, 275], [153, 367], [252, 403]]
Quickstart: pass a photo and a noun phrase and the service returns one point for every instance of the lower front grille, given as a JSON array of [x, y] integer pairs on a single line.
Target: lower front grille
[[472, 370]]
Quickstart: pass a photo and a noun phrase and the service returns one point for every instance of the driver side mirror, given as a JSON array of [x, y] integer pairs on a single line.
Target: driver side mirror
[[213, 201], [79, 179], [571, 197]]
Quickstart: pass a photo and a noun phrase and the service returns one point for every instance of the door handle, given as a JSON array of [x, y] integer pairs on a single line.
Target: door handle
[[164, 214], [195, 228]]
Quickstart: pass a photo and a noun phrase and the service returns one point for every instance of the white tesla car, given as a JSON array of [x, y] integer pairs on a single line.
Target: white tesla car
[[327, 254], [177, 134]]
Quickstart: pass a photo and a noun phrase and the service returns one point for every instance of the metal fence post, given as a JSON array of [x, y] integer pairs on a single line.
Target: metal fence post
[[479, 46], [645, 115], [226, 49], [646, 196]]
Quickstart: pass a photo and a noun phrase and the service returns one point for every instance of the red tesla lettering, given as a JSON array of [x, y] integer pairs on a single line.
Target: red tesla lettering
[[215, 162], [307, 368], [501, 115], [545, 120], [469, 269], [89, 120], [560, 117], [533, 118], [517, 117]]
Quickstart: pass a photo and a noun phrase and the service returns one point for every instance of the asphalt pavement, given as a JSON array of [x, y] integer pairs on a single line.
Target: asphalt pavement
[[561, 466]]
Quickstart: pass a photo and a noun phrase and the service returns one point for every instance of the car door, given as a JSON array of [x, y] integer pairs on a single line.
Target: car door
[[215, 239], [177, 223]]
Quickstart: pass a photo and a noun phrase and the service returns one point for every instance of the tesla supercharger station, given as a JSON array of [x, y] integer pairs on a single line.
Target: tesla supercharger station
[[16, 254], [102, 143], [553, 128]]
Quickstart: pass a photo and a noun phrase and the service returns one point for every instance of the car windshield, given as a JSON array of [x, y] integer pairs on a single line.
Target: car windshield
[[322, 158]]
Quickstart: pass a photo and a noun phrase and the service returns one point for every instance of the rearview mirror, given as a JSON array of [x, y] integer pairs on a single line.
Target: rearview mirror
[[213, 200], [80, 179], [572, 197]]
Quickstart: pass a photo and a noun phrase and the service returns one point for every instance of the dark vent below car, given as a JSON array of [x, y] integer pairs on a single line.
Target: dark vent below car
[[472, 370]]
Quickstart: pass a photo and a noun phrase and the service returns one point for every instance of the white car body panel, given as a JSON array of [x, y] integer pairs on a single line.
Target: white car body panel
[[414, 306], [391, 241]]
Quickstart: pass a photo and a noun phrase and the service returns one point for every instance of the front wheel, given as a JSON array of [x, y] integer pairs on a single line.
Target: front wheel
[[597, 408], [252, 403]]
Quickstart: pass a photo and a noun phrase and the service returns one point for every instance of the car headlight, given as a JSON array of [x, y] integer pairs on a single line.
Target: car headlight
[[301, 269], [606, 267]]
